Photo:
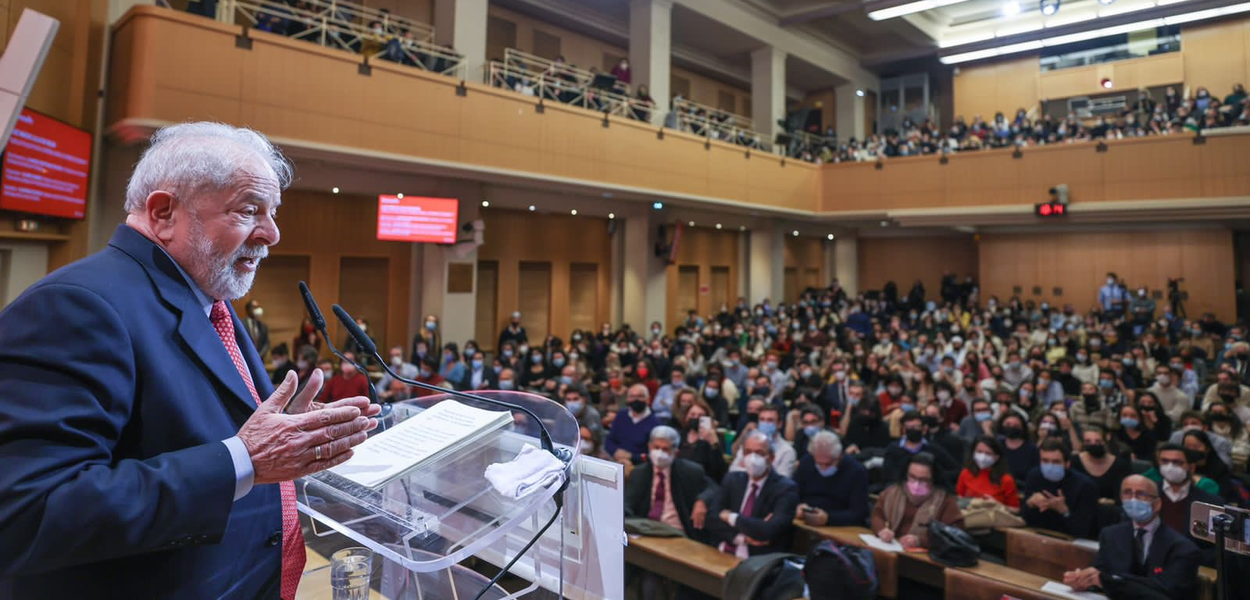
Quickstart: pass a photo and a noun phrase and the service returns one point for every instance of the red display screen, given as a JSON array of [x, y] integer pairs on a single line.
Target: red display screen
[[45, 167], [416, 219]]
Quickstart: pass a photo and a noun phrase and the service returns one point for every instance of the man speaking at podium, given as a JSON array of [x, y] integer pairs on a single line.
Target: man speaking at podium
[[145, 453]]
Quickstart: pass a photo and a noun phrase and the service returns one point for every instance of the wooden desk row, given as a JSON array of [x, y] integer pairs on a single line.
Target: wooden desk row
[[690, 563]]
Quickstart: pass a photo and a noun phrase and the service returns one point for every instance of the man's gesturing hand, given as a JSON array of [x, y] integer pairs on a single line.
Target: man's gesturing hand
[[286, 446]]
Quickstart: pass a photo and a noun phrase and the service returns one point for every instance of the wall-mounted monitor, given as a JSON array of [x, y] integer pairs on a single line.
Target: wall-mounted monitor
[[45, 167], [418, 219]]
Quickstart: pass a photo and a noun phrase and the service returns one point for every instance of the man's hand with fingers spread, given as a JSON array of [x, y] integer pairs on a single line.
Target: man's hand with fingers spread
[[309, 436]]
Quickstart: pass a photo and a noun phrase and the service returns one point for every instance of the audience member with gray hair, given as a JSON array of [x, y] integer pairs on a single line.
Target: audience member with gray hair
[[755, 507], [833, 487]]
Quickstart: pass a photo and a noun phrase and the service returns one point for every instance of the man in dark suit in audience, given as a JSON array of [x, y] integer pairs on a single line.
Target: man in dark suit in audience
[[755, 508], [1142, 555], [1178, 493], [478, 375], [1057, 497], [665, 488]]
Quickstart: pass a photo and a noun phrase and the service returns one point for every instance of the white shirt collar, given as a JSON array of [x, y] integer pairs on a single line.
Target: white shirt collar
[[1176, 496]]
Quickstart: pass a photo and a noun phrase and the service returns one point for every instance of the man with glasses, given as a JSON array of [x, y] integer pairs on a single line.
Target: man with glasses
[[1161, 560]]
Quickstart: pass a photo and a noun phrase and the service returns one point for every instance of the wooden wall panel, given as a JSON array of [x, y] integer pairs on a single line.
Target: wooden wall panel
[[687, 290], [1078, 261], [569, 244], [484, 330], [903, 260], [534, 298], [334, 236], [986, 88], [363, 285], [302, 93], [1125, 75], [804, 262], [281, 300], [1217, 55], [722, 293], [583, 296], [702, 250]]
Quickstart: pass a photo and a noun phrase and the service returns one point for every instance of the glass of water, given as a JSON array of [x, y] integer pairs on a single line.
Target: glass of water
[[350, 571]]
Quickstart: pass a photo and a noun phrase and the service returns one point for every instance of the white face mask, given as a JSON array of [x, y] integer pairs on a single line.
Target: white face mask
[[660, 458], [983, 460], [756, 465], [1174, 474]]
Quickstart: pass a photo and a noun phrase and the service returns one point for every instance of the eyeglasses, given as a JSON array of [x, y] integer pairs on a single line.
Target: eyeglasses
[[1139, 495], [911, 479]]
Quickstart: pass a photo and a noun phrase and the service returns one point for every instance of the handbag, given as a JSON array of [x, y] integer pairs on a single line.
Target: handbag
[[982, 515]]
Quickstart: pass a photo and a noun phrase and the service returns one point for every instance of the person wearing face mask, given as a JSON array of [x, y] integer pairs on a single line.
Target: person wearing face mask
[[281, 364], [1134, 434], [701, 443], [1208, 465], [346, 383], [574, 398], [1058, 497], [1021, 453], [1223, 421], [451, 368], [1162, 560], [1015, 372], [1084, 369], [768, 422], [802, 423], [665, 487], [305, 364], [1112, 297], [427, 337], [985, 474], [514, 332], [894, 417], [1100, 461], [536, 370], [833, 487], [397, 362], [1192, 420], [1174, 401], [915, 439], [891, 394], [1227, 390], [478, 375], [757, 505], [428, 373], [914, 499], [1089, 409], [979, 422], [1181, 488], [627, 439]]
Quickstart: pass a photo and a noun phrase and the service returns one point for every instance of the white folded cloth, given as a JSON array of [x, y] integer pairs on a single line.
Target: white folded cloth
[[530, 471]]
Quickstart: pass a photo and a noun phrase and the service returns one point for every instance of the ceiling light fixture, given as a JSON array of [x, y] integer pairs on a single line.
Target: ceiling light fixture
[[859, 93], [1011, 8], [334, 190], [611, 215], [400, 195], [485, 203], [742, 228], [1048, 7], [830, 236], [1106, 2], [532, 208], [691, 223], [718, 225], [795, 233], [1082, 36], [573, 212], [907, 9], [658, 206]]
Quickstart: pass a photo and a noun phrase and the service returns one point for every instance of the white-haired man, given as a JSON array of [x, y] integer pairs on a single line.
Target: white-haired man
[[145, 453]]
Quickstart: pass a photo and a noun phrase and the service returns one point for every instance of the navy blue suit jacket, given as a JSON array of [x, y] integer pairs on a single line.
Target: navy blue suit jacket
[[1171, 561], [116, 396]]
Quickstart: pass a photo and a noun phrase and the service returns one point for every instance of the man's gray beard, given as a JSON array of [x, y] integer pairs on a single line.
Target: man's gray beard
[[220, 279]]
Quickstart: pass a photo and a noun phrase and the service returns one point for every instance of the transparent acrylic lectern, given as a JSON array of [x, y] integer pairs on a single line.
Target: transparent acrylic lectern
[[424, 523]]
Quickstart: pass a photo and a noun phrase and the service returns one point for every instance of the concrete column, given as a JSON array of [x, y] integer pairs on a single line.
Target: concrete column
[[650, 51], [643, 278], [767, 264], [744, 267], [768, 91], [850, 112], [462, 25], [846, 259]]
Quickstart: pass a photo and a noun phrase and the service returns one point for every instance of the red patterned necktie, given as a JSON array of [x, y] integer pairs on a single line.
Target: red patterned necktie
[[747, 508], [293, 552], [657, 503]]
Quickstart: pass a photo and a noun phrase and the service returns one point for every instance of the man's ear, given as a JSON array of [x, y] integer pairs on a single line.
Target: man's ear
[[159, 211]]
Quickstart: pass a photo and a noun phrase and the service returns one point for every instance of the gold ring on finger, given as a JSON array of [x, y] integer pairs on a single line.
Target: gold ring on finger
[[317, 450]]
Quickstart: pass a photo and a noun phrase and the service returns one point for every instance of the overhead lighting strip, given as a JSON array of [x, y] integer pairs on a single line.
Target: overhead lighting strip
[[1095, 33]]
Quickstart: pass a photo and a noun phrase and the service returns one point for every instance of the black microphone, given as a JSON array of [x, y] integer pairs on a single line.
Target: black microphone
[[367, 345], [319, 323]]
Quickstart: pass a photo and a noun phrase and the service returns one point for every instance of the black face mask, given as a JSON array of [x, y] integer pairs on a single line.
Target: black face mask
[[1013, 433], [753, 418], [914, 435], [1096, 450], [638, 406], [931, 422]]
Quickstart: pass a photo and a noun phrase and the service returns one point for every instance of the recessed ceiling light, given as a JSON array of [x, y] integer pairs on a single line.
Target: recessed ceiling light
[[1011, 8], [532, 208], [718, 225], [692, 223], [795, 233], [885, 223], [485, 203], [831, 236], [611, 215], [400, 196], [742, 228], [859, 93], [334, 190], [573, 212], [658, 205]]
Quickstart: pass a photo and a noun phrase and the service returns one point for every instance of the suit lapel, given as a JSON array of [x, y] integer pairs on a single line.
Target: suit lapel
[[202, 343]]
